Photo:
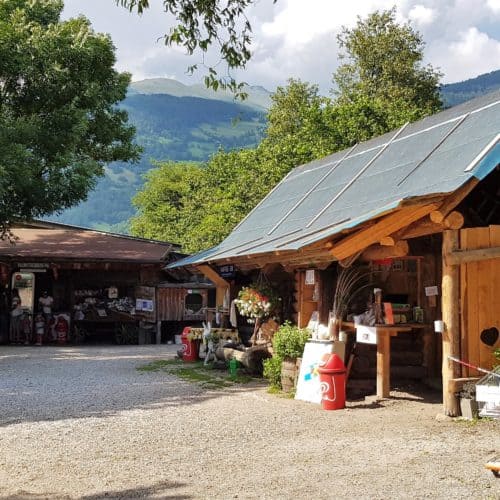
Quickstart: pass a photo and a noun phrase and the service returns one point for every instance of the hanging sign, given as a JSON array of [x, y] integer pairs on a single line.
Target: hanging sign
[[227, 271], [310, 277]]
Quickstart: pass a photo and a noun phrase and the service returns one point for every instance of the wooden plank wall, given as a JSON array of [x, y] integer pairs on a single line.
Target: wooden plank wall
[[480, 298], [171, 304]]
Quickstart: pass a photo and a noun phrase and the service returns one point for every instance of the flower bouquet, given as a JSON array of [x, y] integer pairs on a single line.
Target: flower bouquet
[[256, 303]]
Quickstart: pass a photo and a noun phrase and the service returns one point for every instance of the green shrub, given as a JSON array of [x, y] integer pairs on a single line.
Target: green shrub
[[289, 341], [272, 371]]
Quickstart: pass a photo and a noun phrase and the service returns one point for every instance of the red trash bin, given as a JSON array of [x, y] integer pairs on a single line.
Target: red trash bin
[[332, 379], [189, 348]]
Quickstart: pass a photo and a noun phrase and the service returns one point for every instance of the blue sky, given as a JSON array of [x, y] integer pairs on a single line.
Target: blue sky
[[297, 38]]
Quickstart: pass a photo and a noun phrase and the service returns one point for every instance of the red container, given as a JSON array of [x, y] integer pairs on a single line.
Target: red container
[[61, 328], [332, 379], [189, 347]]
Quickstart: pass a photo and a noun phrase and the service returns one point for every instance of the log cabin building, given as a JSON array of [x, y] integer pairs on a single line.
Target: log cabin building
[[420, 206], [105, 285]]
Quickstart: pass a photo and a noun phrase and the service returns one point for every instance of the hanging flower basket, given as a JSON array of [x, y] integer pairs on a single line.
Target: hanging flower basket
[[256, 303]]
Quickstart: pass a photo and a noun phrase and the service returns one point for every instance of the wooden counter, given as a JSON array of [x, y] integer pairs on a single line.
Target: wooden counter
[[384, 334]]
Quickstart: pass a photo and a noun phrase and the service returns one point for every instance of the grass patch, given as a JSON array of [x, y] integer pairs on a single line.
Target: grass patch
[[156, 366], [473, 422], [274, 389], [197, 373]]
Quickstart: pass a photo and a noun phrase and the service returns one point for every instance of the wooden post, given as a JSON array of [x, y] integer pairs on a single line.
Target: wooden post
[[158, 332], [383, 363], [451, 318]]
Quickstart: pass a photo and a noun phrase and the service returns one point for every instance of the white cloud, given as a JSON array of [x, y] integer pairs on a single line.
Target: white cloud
[[295, 38], [422, 15], [475, 52], [494, 5]]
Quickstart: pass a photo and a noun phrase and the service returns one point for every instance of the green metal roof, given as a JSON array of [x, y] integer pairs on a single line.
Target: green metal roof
[[435, 155]]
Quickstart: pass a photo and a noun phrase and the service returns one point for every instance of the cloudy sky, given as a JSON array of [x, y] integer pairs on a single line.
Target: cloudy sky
[[297, 38]]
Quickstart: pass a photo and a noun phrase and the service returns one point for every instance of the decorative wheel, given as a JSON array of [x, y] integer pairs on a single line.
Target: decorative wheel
[[126, 333]]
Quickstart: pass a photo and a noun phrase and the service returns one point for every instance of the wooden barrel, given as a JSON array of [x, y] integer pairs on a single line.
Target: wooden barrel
[[288, 374]]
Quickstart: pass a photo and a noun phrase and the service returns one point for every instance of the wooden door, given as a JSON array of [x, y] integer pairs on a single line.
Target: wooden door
[[480, 298]]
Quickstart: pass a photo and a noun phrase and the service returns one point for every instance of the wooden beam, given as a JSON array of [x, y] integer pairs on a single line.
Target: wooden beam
[[386, 226], [305, 255], [377, 252], [220, 283], [463, 256], [388, 241], [453, 200], [450, 287], [454, 220], [349, 261], [426, 227], [212, 275]]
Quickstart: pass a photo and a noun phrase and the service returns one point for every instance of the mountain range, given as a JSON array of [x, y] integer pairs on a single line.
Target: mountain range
[[180, 122]]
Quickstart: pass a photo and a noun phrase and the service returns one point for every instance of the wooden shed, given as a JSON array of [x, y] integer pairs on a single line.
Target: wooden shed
[[423, 201]]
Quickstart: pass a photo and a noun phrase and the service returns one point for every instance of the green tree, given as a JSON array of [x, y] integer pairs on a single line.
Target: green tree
[[164, 204], [59, 123], [383, 64], [299, 129]]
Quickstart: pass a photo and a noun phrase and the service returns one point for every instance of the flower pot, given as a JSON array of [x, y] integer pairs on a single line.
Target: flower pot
[[288, 374]]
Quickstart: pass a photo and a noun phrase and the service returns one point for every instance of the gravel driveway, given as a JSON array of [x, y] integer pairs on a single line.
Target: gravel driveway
[[82, 422]]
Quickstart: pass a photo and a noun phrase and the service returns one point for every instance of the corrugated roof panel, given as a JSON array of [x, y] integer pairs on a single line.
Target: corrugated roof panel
[[429, 157]]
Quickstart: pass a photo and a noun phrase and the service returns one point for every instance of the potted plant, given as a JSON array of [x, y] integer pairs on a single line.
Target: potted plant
[[288, 345]]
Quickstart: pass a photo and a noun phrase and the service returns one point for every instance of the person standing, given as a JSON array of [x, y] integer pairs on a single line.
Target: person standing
[[46, 302], [16, 314]]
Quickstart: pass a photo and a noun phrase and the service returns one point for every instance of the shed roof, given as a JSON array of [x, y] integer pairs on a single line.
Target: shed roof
[[435, 155], [46, 240]]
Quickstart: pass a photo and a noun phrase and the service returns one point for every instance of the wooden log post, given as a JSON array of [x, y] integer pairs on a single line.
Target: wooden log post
[[383, 363], [451, 318]]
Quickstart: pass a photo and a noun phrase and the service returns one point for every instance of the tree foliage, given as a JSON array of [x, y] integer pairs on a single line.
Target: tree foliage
[[202, 23], [58, 120], [383, 63], [375, 94]]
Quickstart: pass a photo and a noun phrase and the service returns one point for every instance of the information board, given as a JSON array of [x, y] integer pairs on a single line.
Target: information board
[[308, 386]]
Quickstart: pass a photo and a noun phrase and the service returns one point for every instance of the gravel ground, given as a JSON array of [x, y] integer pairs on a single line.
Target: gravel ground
[[84, 423]]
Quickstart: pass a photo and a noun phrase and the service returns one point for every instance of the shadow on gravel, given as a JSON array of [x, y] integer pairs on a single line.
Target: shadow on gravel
[[163, 488], [49, 384], [415, 392]]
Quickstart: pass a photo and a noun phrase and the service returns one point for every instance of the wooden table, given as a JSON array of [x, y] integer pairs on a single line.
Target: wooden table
[[384, 334]]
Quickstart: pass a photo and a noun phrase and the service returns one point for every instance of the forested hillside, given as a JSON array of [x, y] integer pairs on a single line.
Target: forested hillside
[[168, 128], [456, 93]]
